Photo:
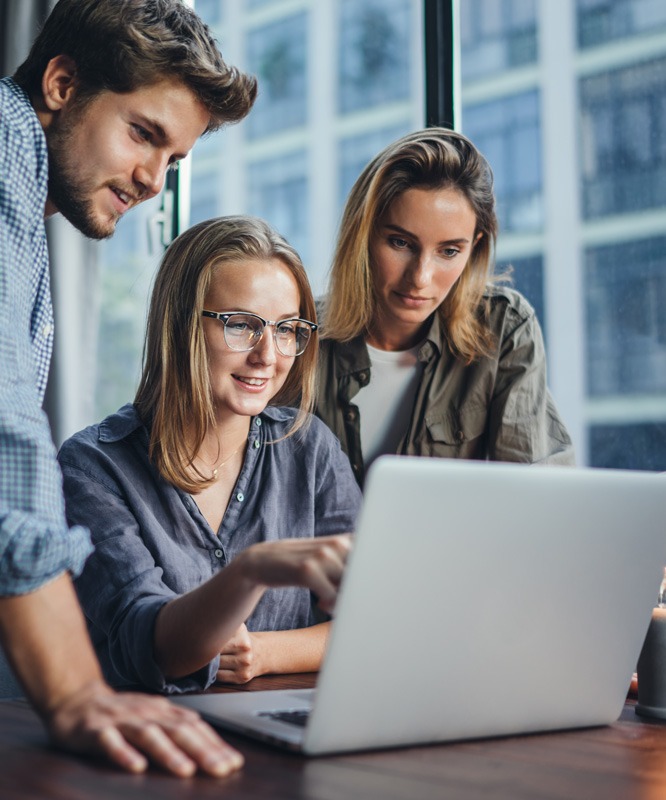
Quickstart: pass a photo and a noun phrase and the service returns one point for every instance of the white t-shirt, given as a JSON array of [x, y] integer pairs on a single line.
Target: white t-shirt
[[385, 404]]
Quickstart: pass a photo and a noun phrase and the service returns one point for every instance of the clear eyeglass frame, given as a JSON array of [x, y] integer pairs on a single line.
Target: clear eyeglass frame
[[243, 331]]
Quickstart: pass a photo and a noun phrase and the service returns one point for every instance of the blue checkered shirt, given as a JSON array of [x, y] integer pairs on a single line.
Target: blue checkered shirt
[[35, 542]]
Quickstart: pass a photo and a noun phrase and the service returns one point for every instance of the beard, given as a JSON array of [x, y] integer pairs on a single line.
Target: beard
[[67, 189]]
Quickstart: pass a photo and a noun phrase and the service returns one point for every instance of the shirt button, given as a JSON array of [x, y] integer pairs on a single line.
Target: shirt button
[[240, 497], [460, 436], [257, 444], [363, 377], [351, 415], [218, 553], [257, 422], [47, 330], [356, 467]]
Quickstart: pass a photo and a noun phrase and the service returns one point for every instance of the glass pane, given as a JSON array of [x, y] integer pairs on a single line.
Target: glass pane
[[127, 263], [507, 131], [623, 132], [605, 20], [373, 53], [578, 147], [626, 318], [356, 151], [527, 277], [496, 35], [276, 54]]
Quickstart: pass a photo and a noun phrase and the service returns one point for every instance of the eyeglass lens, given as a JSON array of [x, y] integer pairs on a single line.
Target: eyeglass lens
[[243, 332]]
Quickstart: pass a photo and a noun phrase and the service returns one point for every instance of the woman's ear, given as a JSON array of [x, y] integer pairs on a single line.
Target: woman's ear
[[59, 82]]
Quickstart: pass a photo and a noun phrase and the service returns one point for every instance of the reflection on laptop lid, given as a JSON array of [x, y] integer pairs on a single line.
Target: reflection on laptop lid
[[480, 599]]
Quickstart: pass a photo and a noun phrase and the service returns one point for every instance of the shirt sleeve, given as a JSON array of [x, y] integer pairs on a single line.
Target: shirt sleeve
[[121, 589], [524, 422], [35, 544], [337, 495]]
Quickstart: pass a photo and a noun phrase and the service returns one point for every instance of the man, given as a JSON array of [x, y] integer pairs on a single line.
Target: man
[[112, 93]]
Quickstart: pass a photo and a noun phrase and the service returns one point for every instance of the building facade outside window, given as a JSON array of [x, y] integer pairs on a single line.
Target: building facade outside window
[[590, 247]]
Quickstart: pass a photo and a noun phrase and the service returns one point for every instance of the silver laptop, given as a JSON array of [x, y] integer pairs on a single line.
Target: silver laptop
[[480, 600]]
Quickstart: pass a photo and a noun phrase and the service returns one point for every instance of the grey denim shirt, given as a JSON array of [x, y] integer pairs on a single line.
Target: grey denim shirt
[[496, 408], [152, 543]]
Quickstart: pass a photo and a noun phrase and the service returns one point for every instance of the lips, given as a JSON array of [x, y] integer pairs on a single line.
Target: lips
[[257, 383], [411, 299], [123, 199]]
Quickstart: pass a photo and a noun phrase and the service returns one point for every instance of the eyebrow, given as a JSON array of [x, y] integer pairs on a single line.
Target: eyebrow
[[237, 310], [405, 232], [160, 132]]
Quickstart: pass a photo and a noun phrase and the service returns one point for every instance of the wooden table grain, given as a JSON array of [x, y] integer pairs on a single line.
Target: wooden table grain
[[617, 762]]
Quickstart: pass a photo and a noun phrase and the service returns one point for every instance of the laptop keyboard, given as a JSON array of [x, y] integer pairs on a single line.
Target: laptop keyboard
[[295, 717]]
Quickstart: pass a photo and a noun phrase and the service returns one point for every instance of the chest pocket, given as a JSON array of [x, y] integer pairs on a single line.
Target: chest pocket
[[458, 434]]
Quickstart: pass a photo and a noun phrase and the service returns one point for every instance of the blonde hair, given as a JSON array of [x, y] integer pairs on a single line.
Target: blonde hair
[[431, 159], [174, 397]]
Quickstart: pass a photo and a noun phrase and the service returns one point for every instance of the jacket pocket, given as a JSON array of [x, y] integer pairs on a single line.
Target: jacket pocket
[[458, 433]]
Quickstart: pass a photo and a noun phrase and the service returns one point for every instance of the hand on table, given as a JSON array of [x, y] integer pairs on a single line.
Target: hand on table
[[133, 729], [239, 659]]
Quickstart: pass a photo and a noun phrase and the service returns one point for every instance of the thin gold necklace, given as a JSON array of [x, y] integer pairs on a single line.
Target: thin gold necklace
[[226, 461]]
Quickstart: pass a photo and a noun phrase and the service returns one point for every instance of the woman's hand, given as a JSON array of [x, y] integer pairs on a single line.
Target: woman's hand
[[133, 729], [240, 659], [316, 564]]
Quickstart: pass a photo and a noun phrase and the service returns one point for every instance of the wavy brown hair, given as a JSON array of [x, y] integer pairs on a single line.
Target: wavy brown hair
[[431, 159], [123, 45], [174, 398]]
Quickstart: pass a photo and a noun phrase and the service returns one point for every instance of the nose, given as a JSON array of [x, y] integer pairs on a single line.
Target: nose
[[150, 174], [420, 272], [265, 351]]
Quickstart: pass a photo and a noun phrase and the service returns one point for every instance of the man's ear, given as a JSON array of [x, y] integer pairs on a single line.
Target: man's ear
[[59, 82]]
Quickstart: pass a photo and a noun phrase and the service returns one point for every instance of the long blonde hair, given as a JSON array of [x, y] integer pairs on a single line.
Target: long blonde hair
[[174, 397], [433, 158]]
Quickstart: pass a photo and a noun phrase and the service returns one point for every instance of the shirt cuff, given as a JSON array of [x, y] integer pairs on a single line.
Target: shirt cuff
[[32, 552]]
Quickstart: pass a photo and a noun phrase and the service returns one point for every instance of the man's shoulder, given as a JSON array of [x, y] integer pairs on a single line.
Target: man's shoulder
[[23, 152], [16, 112]]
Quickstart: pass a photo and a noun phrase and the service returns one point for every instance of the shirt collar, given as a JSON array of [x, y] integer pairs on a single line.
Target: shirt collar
[[353, 356], [126, 421]]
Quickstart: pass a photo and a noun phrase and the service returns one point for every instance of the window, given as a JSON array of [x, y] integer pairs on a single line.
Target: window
[[527, 278], [623, 126], [127, 264], [278, 191], [626, 317], [507, 131], [497, 35], [641, 446], [373, 53], [356, 151], [602, 21], [277, 56], [578, 147]]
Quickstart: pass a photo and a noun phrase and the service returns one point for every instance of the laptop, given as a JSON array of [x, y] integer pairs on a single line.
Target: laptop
[[480, 600]]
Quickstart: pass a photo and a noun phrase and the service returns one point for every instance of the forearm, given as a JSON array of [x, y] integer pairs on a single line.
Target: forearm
[[46, 641], [300, 650], [191, 630]]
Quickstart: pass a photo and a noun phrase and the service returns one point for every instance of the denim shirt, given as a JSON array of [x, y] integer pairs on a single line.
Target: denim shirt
[[152, 543], [35, 543], [496, 408]]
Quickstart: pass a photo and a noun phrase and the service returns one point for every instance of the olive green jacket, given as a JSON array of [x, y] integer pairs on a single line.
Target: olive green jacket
[[497, 408]]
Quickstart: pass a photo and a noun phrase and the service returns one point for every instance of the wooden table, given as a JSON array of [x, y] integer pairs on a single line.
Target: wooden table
[[626, 760]]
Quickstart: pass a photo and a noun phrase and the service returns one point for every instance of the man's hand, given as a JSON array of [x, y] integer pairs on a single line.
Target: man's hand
[[240, 659], [133, 729]]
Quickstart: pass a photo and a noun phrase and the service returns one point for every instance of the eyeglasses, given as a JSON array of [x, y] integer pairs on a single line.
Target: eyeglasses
[[243, 331]]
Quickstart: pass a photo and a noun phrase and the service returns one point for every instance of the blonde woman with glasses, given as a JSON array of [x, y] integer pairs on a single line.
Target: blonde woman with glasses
[[218, 511], [422, 352]]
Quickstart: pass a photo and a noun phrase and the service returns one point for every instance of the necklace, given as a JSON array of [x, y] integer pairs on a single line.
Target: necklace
[[226, 461]]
